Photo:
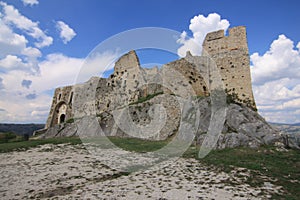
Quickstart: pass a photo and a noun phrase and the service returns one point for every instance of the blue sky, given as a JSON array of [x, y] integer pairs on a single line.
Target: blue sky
[[44, 44]]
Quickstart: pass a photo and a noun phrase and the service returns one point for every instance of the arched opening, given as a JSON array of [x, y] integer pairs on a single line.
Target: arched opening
[[204, 88], [59, 114], [62, 118]]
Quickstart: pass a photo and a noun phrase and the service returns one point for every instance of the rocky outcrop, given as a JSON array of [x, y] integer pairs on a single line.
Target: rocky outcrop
[[290, 134], [158, 118], [291, 140], [242, 127]]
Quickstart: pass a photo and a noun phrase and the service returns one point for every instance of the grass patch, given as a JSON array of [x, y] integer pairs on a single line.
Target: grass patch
[[138, 145], [282, 166], [128, 144], [148, 97], [10, 137], [24, 145]]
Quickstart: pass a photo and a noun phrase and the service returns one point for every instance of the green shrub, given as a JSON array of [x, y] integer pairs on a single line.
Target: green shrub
[[6, 137], [71, 120], [148, 97]]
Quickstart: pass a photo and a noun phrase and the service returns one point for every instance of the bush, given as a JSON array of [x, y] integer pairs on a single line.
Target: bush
[[71, 120], [232, 98], [26, 137], [148, 97], [6, 137]]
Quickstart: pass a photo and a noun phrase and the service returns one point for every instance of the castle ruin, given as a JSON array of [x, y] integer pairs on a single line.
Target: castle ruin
[[130, 82]]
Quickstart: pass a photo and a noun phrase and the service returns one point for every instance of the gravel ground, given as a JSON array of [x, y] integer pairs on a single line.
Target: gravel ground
[[72, 172]]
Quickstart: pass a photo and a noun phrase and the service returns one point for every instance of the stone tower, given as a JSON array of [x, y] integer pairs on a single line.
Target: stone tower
[[232, 59]]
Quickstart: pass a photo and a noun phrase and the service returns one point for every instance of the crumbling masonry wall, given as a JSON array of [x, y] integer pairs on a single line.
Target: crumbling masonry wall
[[186, 76], [61, 108], [232, 59]]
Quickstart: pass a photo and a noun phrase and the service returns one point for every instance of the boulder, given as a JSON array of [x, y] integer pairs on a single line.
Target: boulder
[[291, 140], [242, 127]]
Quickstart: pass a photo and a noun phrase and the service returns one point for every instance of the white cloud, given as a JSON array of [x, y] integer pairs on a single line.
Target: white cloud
[[26, 82], [55, 71], [30, 2], [12, 16], [277, 91], [36, 110], [12, 62], [276, 81], [66, 33], [97, 64], [10, 42], [14, 52], [31, 53], [292, 104], [32, 103], [282, 116], [282, 60], [200, 26]]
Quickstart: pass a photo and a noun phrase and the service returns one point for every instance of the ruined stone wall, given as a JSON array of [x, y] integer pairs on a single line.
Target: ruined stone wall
[[184, 77], [73, 102], [126, 79], [84, 103], [61, 108], [232, 58]]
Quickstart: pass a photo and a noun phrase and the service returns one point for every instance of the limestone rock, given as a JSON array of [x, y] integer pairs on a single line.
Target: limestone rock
[[243, 127], [291, 140], [61, 130]]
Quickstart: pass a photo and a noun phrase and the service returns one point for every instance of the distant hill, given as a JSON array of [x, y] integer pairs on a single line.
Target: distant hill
[[20, 129], [288, 128], [284, 124]]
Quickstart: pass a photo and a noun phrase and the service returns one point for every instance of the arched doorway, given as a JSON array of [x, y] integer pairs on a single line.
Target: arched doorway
[[60, 114], [62, 118]]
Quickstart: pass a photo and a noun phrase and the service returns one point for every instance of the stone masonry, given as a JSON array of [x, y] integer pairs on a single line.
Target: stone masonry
[[232, 58], [186, 76]]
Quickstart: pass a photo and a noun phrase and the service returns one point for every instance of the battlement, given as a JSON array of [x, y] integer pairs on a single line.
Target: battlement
[[215, 35], [238, 31], [217, 43]]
